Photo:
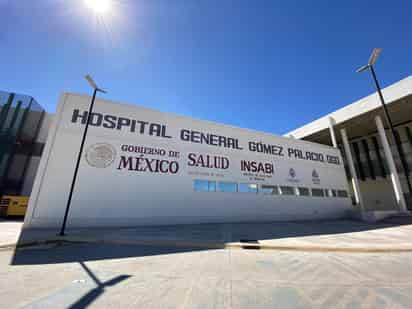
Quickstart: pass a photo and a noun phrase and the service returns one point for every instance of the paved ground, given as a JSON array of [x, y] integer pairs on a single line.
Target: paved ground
[[9, 231], [394, 234], [137, 276], [113, 276]]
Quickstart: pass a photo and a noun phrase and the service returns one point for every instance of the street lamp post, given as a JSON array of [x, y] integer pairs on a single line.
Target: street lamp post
[[369, 66], [79, 156]]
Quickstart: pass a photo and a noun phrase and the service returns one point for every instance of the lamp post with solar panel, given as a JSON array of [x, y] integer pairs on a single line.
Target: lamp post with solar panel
[[79, 156], [369, 66]]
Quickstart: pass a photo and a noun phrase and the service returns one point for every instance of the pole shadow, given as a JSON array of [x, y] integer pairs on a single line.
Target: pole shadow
[[92, 295]]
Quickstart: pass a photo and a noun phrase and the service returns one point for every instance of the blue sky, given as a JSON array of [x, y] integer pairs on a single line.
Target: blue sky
[[266, 65]]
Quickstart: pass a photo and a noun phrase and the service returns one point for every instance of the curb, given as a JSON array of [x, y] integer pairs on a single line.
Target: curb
[[311, 248], [212, 245], [7, 247], [29, 244], [244, 245]]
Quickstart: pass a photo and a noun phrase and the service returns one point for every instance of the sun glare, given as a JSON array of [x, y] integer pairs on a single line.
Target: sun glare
[[98, 6]]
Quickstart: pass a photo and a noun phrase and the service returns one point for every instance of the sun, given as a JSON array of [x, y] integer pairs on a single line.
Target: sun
[[98, 6]]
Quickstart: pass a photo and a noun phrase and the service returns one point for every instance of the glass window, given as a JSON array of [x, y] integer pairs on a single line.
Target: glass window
[[342, 193], [204, 185], [318, 192], [273, 190], [248, 187], [17, 148], [227, 186], [331, 192], [302, 191], [201, 185], [286, 190], [212, 186]]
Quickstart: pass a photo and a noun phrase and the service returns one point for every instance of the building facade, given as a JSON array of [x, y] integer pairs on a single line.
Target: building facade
[[144, 167], [23, 130], [373, 165]]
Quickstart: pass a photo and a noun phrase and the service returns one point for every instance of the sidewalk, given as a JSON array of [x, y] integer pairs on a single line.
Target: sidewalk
[[9, 232], [393, 235]]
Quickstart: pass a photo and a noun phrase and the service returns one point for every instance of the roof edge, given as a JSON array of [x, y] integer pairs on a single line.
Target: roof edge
[[391, 93]]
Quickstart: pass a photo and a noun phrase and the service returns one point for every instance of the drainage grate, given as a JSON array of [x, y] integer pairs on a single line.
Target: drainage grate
[[250, 244], [249, 240]]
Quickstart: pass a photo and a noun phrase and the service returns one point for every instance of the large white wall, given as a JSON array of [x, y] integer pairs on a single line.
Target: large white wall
[[120, 197]]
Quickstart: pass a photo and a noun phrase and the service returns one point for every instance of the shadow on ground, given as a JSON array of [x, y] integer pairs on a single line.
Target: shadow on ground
[[212, 233], [79, 293], [67, 253], [96, 292]]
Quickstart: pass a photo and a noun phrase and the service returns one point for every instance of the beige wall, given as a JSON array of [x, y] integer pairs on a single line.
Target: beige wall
[[378, 194]]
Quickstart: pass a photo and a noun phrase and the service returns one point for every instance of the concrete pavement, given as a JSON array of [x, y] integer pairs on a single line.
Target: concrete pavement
[[341, 235], [9, 232], [185, 273], [120, 276]]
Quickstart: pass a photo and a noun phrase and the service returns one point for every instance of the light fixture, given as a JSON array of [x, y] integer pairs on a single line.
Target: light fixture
[[374, 56], [362, 68], [395, 136], [79, 156], [93, 84], [371, 61]]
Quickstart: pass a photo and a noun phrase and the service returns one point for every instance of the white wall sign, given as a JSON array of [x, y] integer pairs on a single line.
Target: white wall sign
[[139, 166]]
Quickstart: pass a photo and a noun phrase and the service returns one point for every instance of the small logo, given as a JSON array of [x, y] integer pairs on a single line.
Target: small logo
[[315, 177], [292, 173], [100, 155]]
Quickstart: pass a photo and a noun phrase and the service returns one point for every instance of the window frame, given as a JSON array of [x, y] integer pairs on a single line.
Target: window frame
[[209, 182], [248, 184], [292, 192], [346, 195], [227, 182], [298, 191], [317, 190], [275, 190]]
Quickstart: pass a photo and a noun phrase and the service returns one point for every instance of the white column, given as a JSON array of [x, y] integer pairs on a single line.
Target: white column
[[332, 132], [351, 165], [400, 199]]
